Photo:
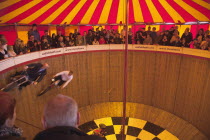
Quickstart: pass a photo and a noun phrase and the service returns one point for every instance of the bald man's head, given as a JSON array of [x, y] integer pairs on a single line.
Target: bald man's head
[[60, 111]]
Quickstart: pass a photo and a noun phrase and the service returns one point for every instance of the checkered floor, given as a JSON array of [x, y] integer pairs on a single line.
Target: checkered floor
[[135, 129]]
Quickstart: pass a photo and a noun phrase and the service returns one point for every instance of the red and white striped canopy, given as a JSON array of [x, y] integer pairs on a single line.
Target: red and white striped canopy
[[102, 11]]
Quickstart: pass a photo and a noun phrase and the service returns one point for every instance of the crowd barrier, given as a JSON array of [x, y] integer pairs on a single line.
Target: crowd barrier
[[13, 61]]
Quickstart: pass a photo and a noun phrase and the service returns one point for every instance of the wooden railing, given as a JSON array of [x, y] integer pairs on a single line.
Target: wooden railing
[[13, 61]]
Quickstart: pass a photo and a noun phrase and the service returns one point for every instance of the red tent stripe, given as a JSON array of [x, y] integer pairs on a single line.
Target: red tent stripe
[[201, 9], [162, 11], [62, 16], [185, 15], [145, 11], [131, 12], [29, 12], [97, 13], [48, 12], [113, 12], [82, 12], [13, 7]]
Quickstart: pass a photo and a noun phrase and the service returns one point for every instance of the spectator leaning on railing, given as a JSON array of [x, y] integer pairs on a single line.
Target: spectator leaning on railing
[[148, 40], [46, 36], [67, 41], [3, 51], [200, 36], [45, 44], [19, 47], [33, 45], [10, 51], [95, 42], [186, 38], [205, 44], [60, 42]]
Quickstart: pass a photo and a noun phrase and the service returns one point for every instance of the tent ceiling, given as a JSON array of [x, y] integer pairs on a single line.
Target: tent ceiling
[[102, 11]]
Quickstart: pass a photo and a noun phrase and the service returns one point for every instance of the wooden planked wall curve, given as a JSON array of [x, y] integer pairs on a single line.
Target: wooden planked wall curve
[[175, 83]]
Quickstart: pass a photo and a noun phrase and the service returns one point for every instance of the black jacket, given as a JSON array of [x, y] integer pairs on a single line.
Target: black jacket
[[11, 138], [188, 38], [64, 133], [2, 55], [45, 46], [31, 46], [35, 73], [49, 39]]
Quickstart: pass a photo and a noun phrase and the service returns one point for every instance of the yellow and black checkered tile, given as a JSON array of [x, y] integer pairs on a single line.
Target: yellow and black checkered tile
[[135, 129]]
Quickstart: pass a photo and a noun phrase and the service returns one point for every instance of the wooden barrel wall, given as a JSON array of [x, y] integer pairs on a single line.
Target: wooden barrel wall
[[178, 84], [175, 125]]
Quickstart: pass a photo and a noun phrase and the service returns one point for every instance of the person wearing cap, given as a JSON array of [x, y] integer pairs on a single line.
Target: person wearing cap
[[61, 119], [7, 118], [34, 32]]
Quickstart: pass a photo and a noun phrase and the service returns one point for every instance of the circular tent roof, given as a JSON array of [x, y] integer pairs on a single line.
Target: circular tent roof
[[102, 11]]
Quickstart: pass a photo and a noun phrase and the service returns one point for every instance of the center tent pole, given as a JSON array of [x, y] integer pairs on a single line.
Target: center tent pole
[[125, 68]]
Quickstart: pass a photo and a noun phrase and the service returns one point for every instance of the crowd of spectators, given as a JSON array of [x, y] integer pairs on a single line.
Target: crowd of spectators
[[169, 37]]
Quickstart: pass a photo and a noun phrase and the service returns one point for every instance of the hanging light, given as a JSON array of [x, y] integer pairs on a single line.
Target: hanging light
[[169, 23], [189, 23], [204, 22]]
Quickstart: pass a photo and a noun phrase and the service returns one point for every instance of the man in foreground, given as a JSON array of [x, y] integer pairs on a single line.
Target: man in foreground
[[60, 121], [7, 118]]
